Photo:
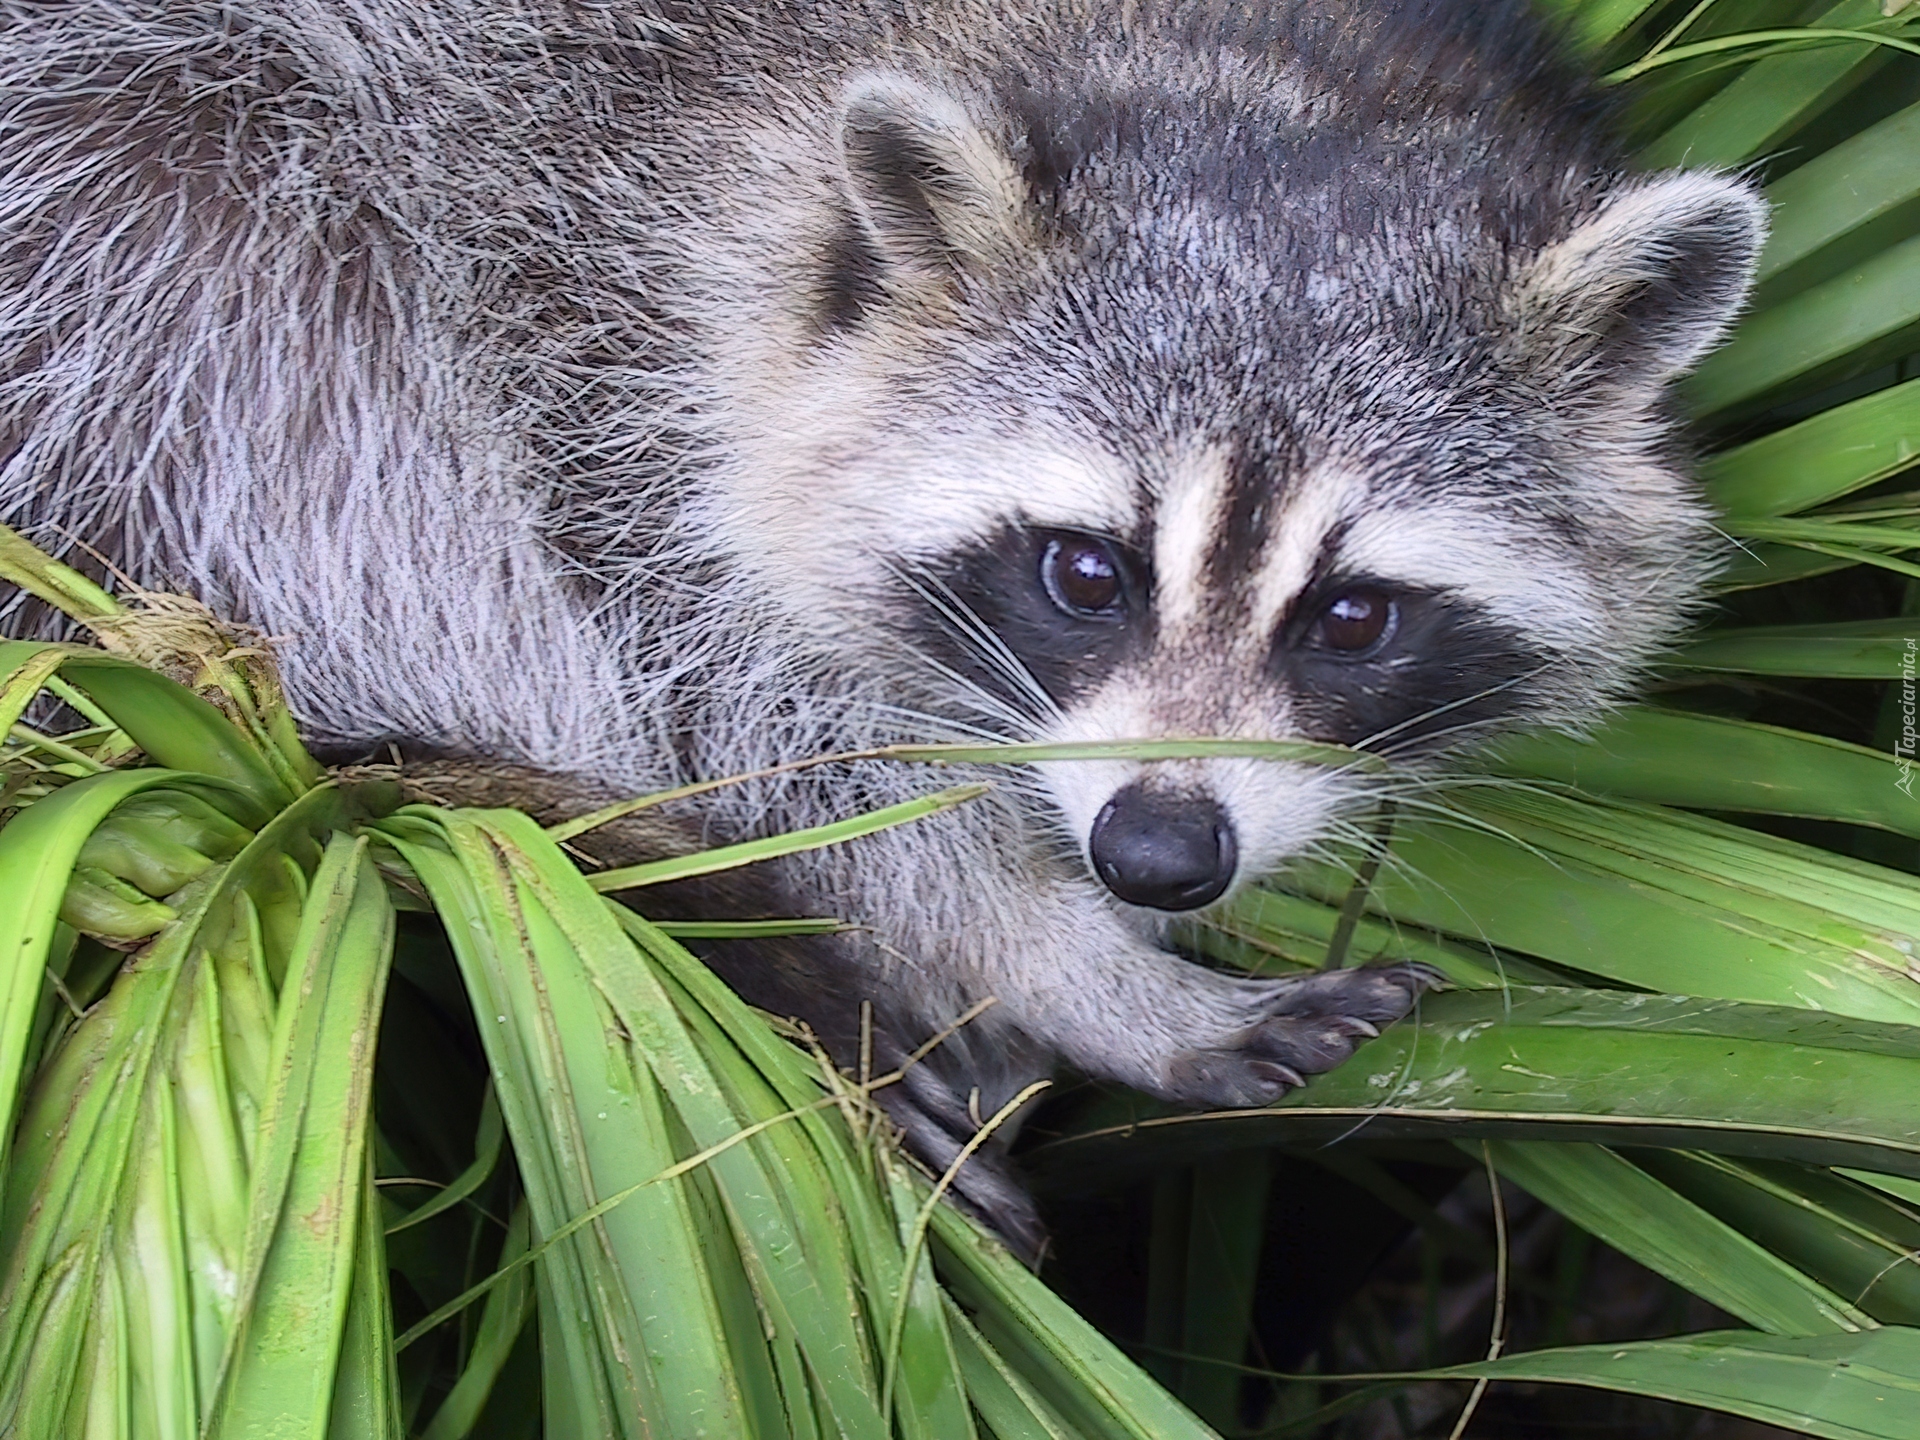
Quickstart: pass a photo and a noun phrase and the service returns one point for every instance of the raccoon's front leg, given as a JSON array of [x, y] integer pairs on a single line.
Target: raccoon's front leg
[[1123, 1008], [1307, 1024]]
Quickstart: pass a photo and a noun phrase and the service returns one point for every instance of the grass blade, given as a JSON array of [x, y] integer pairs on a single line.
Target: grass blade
[[1076, 1370], [1770, 97], [1838, 650], [1854, 1239], [653, 1350], [1654, 899], [508, 1310], [727, 857]]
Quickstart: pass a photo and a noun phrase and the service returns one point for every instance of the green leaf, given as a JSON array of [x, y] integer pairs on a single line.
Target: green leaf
[[1075, 1370], [792, 1239], [1771, 96], [1852, 534], [366, 1392], [1533, 1064], [1835, 453], [97, 903], [1595, 22], [126, 1199], [1764, 564], [1864, 182], [631, 1332], [508, 1310], [1838, 328], [1302, 929], [61, 586], [921, 1372], [173, 725], [1008, 1405], [160, 841], [1704, 762], [1655, 899], [1637, 1215], [749, 929], [727, 857], [1851, 1237], [27, 671], [486, 1158], [39, 847], [1842, 1387], [1225, 1232], [306, 1196], [1835, 649]]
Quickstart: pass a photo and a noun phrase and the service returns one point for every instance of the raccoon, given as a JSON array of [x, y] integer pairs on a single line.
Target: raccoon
[[598, 395]]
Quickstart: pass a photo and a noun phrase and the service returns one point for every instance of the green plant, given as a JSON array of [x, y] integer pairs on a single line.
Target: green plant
[[322, 1113]]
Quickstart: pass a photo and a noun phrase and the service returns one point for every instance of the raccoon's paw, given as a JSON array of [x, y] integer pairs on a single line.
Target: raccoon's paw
[[936, 1125], [1307, 1025]]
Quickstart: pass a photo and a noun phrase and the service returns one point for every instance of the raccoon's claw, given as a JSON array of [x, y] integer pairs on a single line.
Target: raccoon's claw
[[1308, 1025], [1289, 1078]]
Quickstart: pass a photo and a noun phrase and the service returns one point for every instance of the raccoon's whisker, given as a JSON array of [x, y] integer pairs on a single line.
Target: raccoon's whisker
[[1496, 688], [967, 627], [981, 638], [1447, 733], [982, 700]]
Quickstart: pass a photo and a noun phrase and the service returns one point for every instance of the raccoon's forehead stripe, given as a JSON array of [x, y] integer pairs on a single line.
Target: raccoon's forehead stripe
[[1188, 522], [1312, 510]]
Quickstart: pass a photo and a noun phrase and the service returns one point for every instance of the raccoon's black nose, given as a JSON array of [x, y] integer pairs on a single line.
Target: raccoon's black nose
[[1170, 852]]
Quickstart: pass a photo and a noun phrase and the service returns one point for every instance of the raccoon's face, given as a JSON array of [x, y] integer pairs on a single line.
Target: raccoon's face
[[1179, 435], [1342, 601]]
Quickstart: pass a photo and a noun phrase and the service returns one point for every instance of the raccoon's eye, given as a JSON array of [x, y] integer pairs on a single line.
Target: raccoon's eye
[[1355, 619], [1081, 575]]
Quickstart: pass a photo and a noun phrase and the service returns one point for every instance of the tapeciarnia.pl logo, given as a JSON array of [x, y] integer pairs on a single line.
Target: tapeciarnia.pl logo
[[1903, 747]]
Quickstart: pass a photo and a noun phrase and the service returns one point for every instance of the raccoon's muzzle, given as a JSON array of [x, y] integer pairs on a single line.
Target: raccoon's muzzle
[[1167, 852]]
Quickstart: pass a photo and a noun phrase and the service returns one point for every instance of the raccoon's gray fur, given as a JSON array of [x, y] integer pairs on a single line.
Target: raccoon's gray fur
[[629, 391]]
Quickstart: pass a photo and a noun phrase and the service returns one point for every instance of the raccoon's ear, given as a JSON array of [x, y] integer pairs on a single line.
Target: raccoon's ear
[[1645, 288], [929, 186]]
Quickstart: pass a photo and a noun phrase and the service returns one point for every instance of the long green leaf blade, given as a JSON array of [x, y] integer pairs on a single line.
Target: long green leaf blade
[[1666, 1071], [1638, 1215], [309, 1165], [1841, 327], [1705, 762], [1769, 98], [38, 850], [1820, 459], [1863, 180], [1840, 1387]]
